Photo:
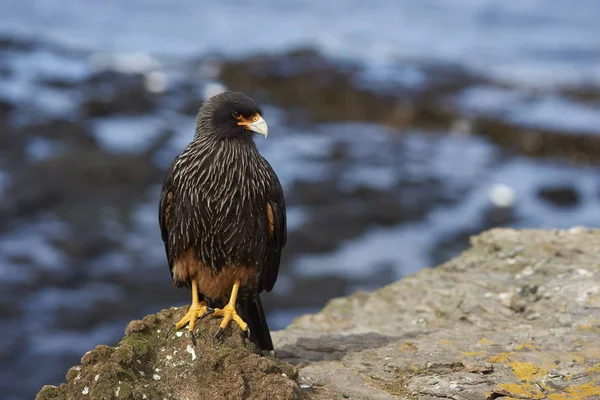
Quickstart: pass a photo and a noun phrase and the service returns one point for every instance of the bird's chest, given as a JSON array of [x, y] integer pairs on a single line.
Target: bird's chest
[[235, 190], [223, 194], [219, 206]]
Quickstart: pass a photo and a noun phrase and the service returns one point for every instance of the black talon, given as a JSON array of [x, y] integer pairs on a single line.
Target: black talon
[[207, 312], [247, 332], [193, 338], [170, 331], [219, 331]]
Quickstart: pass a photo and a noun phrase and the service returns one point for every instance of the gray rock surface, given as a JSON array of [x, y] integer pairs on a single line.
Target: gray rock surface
[[516, 316]]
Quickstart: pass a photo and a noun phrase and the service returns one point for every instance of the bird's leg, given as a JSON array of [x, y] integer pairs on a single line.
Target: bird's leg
[[198, 309], [229, 313]]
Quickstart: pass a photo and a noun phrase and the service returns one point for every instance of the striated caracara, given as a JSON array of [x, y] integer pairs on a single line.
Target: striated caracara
[[222, 218]]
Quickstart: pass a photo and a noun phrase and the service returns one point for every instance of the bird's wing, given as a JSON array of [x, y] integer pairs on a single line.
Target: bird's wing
[[276, 215], [164, 212]]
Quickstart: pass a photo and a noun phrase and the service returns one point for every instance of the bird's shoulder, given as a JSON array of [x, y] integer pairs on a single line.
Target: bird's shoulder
[[165, 202], [275, 191]]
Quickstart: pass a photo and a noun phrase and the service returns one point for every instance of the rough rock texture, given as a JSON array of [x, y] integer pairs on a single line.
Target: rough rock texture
[[517, 316], [146, 365]]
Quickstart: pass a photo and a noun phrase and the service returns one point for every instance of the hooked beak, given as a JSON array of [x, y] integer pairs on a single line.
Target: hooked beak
[[257, 124]]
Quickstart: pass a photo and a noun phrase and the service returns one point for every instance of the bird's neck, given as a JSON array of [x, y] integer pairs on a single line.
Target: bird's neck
[[216, 142], [205, 153], [222, 168]]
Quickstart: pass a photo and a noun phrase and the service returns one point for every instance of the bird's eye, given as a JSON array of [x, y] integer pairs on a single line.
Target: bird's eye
[[236, 115]]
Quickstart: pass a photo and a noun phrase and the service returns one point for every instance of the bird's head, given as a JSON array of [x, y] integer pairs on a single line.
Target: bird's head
[[230, 114]]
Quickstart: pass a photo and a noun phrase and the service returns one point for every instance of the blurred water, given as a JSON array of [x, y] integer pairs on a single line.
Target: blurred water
[[548, 111], [540, 42]]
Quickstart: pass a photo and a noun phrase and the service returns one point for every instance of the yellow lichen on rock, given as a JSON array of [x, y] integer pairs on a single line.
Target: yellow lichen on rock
[[585, 390], [595, 368], [520, 391], [530, 384], [408, 347], [533, 384], [526, 371], [485, 340], [500, 358], [527, 346], [579, 392], [472, 353]]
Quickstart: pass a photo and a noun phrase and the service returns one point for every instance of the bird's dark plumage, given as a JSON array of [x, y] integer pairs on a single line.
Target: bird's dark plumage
[[222, 212]]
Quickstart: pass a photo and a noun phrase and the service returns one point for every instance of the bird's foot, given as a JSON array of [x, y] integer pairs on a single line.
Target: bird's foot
[[196, 311], [229, 313]]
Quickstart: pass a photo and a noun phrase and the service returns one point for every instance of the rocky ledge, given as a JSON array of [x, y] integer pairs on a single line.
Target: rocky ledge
[[516, 316]]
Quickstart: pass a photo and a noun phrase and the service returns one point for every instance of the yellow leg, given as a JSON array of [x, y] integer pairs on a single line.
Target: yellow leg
[[229, 313], [197, 310]]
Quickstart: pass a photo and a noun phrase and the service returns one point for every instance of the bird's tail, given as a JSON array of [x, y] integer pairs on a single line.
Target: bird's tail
[[259, 330]]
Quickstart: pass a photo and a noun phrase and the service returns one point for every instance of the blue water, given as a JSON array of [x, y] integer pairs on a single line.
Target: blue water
[[537, 42]]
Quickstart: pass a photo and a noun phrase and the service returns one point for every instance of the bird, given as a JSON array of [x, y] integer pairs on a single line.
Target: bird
[[222, 218]]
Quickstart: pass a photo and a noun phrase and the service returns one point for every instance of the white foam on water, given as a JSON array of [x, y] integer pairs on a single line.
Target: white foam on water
[[32, 241], [40, 148], [128, 133], [541, 110]]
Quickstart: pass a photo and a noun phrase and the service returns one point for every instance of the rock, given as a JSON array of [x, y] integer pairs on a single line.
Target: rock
[[114, 93], [100, 178], [560, 196], [5, 108], [15, 44], [339, 213], [516, 316], [146, 365], [589, 94], [577, 147], [312, 85], [69, 132]]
